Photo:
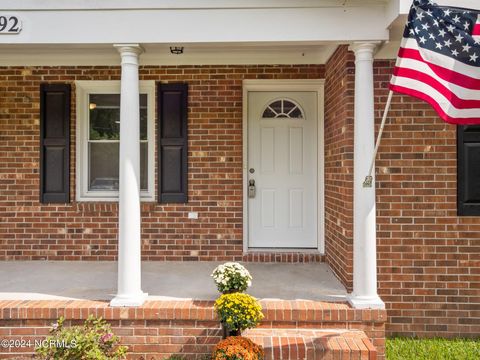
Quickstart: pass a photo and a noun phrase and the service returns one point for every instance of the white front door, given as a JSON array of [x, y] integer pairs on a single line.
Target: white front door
[[282, 166]]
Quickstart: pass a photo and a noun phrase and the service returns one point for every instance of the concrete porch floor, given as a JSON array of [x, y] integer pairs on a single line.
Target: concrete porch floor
[[44, 280]]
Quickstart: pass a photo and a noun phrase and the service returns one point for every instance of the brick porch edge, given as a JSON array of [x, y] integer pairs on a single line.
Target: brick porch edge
[[191, 327]]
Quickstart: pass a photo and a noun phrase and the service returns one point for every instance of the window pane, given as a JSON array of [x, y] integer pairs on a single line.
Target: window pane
[[104, 116], [104, 156], [268, 113], [288, 106], [283, 109], [144, 166], [296, 114], [143, 116], [277, 106], [143, 123], [104, 168]]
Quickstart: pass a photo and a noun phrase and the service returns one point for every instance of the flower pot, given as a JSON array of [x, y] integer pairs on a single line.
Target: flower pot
[[226, 332], [230, 291]]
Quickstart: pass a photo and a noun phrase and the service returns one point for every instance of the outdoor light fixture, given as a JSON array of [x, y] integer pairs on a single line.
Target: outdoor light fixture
[[177, 50]]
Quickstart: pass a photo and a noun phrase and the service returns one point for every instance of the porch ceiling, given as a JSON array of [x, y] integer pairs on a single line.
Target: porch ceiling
[[159, 54], [37, 280], [213, 32]]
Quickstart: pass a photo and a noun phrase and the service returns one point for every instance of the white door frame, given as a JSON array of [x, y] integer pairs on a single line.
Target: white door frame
[[317, 86]]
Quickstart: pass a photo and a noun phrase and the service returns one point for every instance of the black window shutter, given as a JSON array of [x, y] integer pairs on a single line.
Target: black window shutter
[[54, 143], [468, 170], [172, 143]]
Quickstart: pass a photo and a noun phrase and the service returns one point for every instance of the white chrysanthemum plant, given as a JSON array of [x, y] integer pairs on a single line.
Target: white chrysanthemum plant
[[231, 277]]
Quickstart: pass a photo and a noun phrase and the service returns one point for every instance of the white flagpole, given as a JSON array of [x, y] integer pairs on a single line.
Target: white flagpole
[[369, 178]]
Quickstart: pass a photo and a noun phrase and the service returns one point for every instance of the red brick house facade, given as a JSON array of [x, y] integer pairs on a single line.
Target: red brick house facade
[[428, 267], [427, 255]]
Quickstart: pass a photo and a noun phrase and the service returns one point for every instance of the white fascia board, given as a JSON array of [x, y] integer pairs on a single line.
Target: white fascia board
[[398, 8], [467, 4], [45, 5], [392, 11], [200, 26], [404, 5], [397, 13]]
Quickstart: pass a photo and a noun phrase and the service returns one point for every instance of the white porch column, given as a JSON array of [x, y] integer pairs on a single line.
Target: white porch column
[[129, 292], [364, 223]]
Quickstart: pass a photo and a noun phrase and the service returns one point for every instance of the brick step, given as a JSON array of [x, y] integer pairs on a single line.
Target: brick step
[[318, 314], [191, 328], [278, 313], [300, 344]]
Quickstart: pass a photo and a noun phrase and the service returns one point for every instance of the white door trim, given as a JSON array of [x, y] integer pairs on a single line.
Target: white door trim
[[317, 86]]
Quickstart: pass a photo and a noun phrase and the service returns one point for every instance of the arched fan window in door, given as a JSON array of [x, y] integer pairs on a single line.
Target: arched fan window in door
[[283, 108]]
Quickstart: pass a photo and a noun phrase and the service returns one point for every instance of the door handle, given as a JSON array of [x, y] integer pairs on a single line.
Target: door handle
[[251, 189]]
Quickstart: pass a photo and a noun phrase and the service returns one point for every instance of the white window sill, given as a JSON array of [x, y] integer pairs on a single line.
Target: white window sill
[[113, 198]]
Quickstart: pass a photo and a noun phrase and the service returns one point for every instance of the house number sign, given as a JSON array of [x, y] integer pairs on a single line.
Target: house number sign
[[10, 24]]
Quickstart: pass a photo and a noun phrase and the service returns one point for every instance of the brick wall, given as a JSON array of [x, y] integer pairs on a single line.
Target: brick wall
[[428, 258], [339, 105], [88, 231]]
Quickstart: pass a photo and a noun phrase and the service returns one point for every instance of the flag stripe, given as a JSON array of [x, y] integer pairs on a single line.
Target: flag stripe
[[460, 91], [476, 30], [449, 95], [442, 60], [438, 97], [446, 74], [434, 104]]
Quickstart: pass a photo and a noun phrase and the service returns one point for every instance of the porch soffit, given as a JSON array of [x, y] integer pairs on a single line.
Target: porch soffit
[[288, 30], [159, 54], [212, 31]]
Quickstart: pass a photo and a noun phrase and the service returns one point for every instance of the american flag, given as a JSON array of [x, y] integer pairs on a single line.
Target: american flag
[[439, 61]]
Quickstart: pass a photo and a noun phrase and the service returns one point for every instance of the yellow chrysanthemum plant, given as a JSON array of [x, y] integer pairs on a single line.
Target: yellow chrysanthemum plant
[[238, 311]]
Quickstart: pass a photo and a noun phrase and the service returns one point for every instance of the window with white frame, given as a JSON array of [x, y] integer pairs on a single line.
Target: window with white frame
[[98, 139]]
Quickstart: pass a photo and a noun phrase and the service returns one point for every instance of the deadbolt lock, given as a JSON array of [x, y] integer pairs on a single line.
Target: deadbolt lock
[[251, 189]]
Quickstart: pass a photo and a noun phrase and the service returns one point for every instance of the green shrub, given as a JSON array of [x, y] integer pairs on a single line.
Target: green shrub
[[432, 349], [92, 341]]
